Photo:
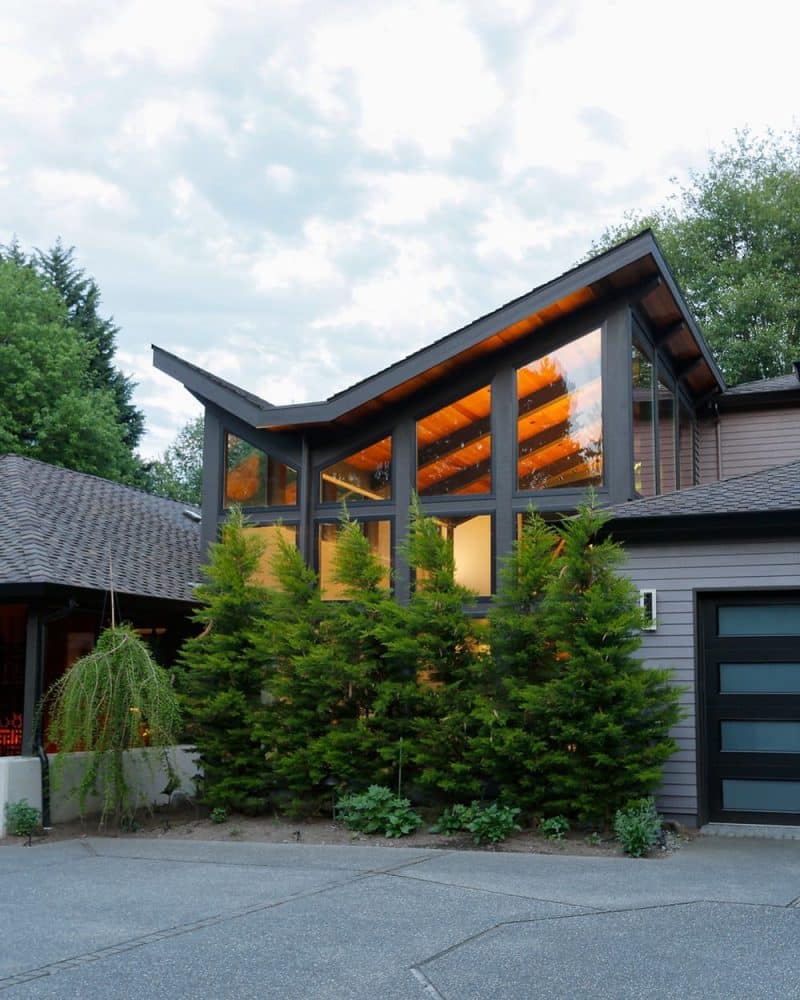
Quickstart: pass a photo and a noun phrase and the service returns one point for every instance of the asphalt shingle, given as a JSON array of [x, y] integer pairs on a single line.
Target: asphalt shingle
[[63, 527], [772, 490]]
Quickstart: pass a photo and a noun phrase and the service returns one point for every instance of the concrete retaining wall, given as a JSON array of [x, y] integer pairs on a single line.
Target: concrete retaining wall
[[20, 778]]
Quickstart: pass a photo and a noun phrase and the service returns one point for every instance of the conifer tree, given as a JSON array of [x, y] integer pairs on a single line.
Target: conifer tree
[[444, 644], [603, 719], [523, 657], [222, 673]]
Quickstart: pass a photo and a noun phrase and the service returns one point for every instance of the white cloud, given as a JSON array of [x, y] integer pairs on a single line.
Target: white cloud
[[415, 293], [310, 261], [160, 122], [77, 191], [174, 34], [280, 177], [418, 73], [401, 198]]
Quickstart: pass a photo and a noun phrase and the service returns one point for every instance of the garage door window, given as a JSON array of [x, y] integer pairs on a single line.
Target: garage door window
[[759, 736], [761, 796], [759, 619], [759, 678]]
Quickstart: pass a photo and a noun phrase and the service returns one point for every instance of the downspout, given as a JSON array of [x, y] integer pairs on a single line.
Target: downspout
[[718, 436]]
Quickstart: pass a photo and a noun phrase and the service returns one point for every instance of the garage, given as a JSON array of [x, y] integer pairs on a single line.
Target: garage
[[749, 706]]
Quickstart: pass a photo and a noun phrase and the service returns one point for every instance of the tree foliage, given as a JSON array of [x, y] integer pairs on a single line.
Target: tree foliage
[[732, 237], [114, 699], [51, 407], [221, 673], [178, 474]]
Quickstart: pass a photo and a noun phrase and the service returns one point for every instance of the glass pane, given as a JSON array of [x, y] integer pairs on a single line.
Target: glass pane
[[269, 534], [454, 447], [366, 475], [666, 437], [254, 479], [472, 550], [759, 678], [379, 535], [760, 619], [761, 796], [686, 449], [760, 737], [560, 417], [644, 462]]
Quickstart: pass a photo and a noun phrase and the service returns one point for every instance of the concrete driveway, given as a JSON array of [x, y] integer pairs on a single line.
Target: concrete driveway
[[165, 918]]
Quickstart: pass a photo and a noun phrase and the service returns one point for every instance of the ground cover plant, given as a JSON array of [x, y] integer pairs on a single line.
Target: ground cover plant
[[378, 810], [22, 819], [637, 827]]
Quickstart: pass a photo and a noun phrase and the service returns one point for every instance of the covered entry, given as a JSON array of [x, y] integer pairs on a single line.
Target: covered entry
[[750, 706]]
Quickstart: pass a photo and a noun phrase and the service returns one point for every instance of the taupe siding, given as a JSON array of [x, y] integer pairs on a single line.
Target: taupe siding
[[750, 441], [677, 571]]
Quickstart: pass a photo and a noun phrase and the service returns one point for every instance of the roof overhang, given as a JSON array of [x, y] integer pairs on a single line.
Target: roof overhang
[[634, 272]]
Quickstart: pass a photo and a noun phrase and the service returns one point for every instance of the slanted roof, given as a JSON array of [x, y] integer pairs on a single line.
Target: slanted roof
[[781, 390], [634, 271], [768, 493], [60, 527]]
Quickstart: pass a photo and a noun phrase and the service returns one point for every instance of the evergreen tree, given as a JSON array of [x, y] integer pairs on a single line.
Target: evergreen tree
[[49, 407], [222, 674], [444, 642], [523, 657], [603, 720]]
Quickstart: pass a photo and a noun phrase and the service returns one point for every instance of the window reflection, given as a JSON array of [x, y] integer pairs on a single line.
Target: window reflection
[[454, 447], [269, 535], [559, 422], [365, 475], [255, 479], [379, 535], [666, 437], [644, 466]]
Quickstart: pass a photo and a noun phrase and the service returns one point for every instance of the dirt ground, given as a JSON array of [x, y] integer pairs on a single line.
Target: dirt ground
[[186, 824]]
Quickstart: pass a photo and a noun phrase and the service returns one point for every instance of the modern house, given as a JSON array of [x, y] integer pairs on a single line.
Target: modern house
[[66, 540], [599, 378]]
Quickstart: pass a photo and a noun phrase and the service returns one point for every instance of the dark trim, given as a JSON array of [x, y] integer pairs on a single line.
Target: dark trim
[[668, 529], [776, 399], [33, 680]]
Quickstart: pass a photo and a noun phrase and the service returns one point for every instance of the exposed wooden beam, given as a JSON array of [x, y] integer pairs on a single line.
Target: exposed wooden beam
[[686, 369], [670, 332]]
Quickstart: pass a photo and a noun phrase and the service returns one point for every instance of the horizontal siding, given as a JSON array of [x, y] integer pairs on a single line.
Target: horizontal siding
[[707, 471], [677, 571], [758, 439]]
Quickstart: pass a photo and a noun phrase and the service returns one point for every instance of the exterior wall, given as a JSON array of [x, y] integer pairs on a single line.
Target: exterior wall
[[678, 571], [750, 440], [20, 778]]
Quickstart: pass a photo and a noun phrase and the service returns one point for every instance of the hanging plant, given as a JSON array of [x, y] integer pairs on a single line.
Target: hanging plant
[[116, 698]]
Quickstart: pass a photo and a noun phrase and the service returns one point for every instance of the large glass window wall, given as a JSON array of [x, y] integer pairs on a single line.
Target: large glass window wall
[[365, 475], [644, 445], [255, 479], [379, 536], [454, 448], [666, 437], [269, 535], [559, 417]]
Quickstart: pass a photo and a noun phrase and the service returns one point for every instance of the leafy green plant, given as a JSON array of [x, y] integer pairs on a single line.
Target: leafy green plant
[[492, 823], [554, 828], [218, 814], [22, 819], [455, 819], [637, 827], [594, 839], [116, 698], [378, 810]]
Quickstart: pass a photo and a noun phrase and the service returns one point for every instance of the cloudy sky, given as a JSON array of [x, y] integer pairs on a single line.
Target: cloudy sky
[[295, 194]]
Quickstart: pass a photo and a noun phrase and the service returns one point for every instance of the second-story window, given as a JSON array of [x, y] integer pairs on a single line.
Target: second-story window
[[364, 475], [255, 479], [454, 447]]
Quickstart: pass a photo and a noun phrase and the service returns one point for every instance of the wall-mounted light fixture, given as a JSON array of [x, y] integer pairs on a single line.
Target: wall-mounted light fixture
[[647, 602]]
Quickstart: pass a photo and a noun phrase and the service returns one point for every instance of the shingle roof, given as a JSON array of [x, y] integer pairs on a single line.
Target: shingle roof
[[779, 383], [58, 526], [772, 490]]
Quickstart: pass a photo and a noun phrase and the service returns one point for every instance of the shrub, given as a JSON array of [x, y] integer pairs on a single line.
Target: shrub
[[455, 819], [555, 828], [22, 819], [493, 823], [218, 814], [378, 810], [637, 827]]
